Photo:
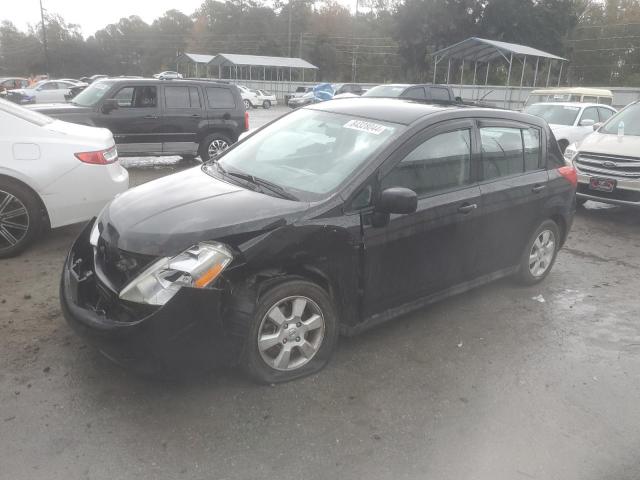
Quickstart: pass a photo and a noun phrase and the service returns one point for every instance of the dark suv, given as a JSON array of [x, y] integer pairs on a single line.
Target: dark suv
[[155, 117], [334, 218], [424, 92]]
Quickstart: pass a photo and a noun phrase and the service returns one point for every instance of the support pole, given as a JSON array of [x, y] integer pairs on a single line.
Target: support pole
[[560, 74], [289, 42], [435, 68], [448, 71], [486, 78], [506, 90], [524, 66], [44, 39], [475, 70], [462, 73], [549, 73], [535, 75]]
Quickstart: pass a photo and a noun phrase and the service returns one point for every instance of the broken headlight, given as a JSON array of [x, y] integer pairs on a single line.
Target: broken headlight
[[196, 267]]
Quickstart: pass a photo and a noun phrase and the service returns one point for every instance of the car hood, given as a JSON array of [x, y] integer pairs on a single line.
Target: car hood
[[58, 108], [611, 144], [168, 215]]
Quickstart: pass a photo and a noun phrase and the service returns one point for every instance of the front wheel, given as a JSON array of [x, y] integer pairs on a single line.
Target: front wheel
[[292, 333], [20, 218], [213, 145], [266, 104], [247, 105], [540, 253]]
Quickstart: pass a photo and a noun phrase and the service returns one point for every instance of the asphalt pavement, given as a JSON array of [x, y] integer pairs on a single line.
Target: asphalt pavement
[[503, 382]]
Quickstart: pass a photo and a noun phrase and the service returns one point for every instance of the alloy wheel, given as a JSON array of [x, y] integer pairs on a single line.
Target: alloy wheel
[[216, 147], [14, 220], [291, 333], [247, 105], [542, 252]]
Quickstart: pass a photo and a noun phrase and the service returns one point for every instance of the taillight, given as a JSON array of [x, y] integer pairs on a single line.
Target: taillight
[[100, 157], [246, 121], [570, 173]]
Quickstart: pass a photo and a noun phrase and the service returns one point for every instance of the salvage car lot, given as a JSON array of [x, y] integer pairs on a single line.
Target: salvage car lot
[[502, 382]]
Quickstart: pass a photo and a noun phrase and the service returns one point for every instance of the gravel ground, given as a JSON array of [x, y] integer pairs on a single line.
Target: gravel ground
[[503, 382]]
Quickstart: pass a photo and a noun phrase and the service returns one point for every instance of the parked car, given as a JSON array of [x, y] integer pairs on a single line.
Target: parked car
[[571, 94], [334, 218], [249, 97], [571, 121], [299, 92], [319, 93], [13, 83], [155, 117], [52, 173], [427, 91], [608, 160], [265, 99], [168, 75], [45, 91], [94, 78]]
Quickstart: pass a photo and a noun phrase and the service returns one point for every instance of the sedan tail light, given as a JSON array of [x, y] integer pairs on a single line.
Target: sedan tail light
[[246, 121], [100, 157], [570, 173]]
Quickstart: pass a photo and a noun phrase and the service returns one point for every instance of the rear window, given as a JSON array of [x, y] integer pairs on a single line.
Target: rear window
[[24, 114], [220, 97]]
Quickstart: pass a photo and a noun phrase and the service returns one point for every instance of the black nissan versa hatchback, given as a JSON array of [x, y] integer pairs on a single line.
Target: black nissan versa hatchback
[[332, 219]]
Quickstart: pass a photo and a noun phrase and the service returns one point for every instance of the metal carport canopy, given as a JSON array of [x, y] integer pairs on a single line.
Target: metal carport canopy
[[233, 59], [483, 50]]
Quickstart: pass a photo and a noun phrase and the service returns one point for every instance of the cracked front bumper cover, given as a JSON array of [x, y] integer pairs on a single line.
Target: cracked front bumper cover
[[187, 335]]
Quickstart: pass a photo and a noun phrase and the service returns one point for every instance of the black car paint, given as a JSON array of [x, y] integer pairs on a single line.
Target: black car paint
[[373, 273], [156, 130]]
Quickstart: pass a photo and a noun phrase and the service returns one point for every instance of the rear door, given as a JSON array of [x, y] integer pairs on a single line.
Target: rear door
[[48, 93], [434, 248], [514, 188], [181, 118], [136, 123]]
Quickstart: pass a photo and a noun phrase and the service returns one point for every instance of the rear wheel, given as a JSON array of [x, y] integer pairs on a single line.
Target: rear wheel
[[580, 201], [540, 253], [266, 104], [247, 105], [20, 218], [213, 145], [292, 333]]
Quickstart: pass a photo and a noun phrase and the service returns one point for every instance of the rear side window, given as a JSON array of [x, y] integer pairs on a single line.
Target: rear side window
[[415, 92], [440, 163], [181, 97], [605, 100], [220, 97], [605, 114], [194, 96], [438, 93], [589, 99], [509, 151]]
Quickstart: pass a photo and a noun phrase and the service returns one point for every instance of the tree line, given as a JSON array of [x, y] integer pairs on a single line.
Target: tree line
[[385, 40]]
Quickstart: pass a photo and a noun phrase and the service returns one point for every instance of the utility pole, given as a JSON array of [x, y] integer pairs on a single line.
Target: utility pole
[[300, 49], [290, 5], [354, 57], [44, 39]]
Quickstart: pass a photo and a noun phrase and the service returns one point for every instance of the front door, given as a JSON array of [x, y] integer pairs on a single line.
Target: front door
[[136, 124], [432, 249], [182, 117], [514, 188]]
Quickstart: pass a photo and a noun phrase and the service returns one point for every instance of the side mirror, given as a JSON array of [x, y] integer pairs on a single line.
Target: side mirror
[[109, 105], [596, 126], [397, 200], [587, 122]]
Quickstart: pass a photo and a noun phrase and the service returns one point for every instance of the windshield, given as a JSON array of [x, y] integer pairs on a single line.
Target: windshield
[[630, 117], [308, 152], [92, 94], [385, 91], [25, 114], [556, 114]]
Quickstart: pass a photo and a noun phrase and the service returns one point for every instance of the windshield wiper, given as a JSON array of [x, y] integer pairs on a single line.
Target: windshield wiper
[[273, 187]]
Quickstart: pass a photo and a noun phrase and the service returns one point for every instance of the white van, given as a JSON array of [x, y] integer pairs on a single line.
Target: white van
[[573, 94]]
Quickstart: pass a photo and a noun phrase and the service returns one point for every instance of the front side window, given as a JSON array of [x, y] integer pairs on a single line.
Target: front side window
[[415, 92], [605, 114], [438, 93], [309, 152], [137, 97], [590, 113], [440, 163], [509, 151]]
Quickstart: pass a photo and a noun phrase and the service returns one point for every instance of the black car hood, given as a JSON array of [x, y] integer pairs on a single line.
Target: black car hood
[[168, 215], [58, 108]]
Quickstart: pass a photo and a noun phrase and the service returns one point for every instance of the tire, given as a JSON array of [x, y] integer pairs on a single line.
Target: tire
[[266, 104], [247, 104], [267, 363], [18, 230], [534, 271], [563, 144], [214, 142], [580, 201]]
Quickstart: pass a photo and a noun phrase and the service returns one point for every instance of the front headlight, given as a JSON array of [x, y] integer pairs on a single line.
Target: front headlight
[[196, 267], [570, 153]]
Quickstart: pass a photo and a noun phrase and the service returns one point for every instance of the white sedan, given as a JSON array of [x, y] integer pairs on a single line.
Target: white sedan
[[571, 121], [168, 75], [265, 99], [46, 91], [52, 173]]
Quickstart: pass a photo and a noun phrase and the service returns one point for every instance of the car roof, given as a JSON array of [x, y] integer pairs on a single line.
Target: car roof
[[574, 104], [577, 90], [180, 81]]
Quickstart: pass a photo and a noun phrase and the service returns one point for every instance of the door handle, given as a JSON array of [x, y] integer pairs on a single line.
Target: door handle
[[467, 208], [538, 188], [150, 116]]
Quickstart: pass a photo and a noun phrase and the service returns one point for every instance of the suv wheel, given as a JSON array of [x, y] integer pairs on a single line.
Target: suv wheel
[[540, 253], [266, 104], [292, 333], [247, 105], [213, 145], [20, 218]]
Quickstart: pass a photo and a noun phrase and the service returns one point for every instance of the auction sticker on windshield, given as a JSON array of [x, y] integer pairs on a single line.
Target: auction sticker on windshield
[[364, 126]]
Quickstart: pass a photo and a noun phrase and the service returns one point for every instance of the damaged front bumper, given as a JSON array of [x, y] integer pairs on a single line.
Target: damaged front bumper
[[186, 335]]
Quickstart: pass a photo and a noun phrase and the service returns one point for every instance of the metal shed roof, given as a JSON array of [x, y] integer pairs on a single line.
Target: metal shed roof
[[228, 59], [483, 50], [196, 57]]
